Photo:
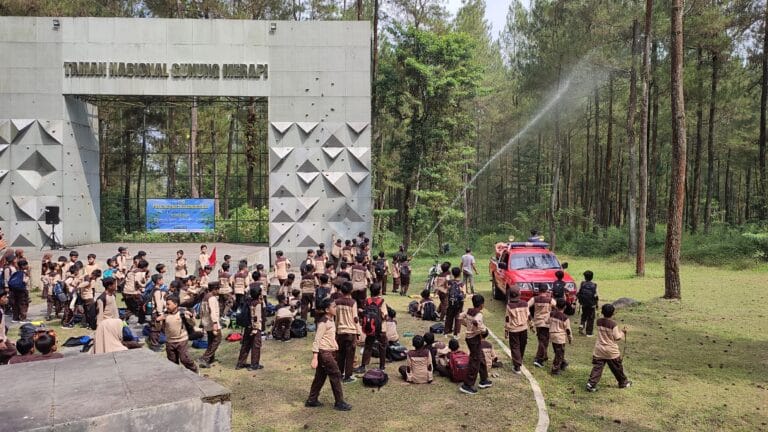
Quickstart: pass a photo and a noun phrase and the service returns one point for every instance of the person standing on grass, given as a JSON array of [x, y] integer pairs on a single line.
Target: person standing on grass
[[282, 264], [457, 291], [209, 317], [516, 327], [308, 285], [559, 333], [375, 314], [441, 288], [607, 350], [324, 349], [381, 271], [361, 280], [542, 305], [476, 332], [251, 342], [347, 331], [172, 324], [395, 275], [468, 270], [588, 299]]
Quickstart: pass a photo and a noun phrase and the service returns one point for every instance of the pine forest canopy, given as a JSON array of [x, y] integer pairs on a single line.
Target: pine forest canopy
[[448, 94]]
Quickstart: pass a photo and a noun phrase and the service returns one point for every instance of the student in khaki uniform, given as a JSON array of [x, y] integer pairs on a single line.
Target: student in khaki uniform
[[418, 367], [91, 265], [49, 280], [71, 283], [472, 319], [607, 350], [106, 304], [491, 359], [158, 307], [281, 329], [251, 342], [209, 316], [135, 282], [202, 259], [307, 285], [559, 333], [324, 350], [226, 296], [361, 280], [347, 252], [376, 301], [347, 331], [281, 267], [320, 263], [7, 347], [516, 327], [176, 345], [336, 253], [455, 303], [240, 282], [395, 275], [542, 305], [441, 288], [180, 267]]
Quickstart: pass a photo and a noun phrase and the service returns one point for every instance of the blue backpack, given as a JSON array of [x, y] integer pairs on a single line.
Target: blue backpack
[[59, 293], [146, 296], [128, 335], [16, 281]]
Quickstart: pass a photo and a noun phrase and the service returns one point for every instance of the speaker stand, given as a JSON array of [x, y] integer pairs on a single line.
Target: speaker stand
[[54, 243]]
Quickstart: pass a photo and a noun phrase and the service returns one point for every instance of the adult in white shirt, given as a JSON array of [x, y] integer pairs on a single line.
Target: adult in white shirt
[[468, 270]]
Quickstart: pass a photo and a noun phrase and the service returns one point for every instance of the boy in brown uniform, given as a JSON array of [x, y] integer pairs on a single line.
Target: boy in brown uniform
[[107, 303], [455, 300], [516, 327], [559, 333], [324, 350], [441, 287], [374, 304], [226, 299], [209, 316], [476, 332], [308, 285], [172, 322], [542, 306], [251, 342], [281, 329], [607, 350], [180, 268], [240, 282], [418, 367], [158, 307], [135, 282], [347, 331], [361, 279], [282, 264]]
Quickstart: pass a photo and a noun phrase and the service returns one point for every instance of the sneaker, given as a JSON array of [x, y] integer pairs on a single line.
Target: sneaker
[[627, 384], [342, 406], [538, 364], [68, 326], [467, 389], [517, 370], [556, 372], [590, 335], [14, 320], [485, 384], [255, 367], [313, 404], [359, 370], [351, 379], [239, 366], [204, 365], [564, 366], [581, 331], [591, 388]]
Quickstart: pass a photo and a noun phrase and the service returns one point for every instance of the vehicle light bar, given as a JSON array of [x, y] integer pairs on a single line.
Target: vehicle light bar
[[542, 245]]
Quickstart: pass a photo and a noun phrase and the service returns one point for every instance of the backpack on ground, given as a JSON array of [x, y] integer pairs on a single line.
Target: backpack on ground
[[372, 319], [458, 362], [298, 328], [405, 270], [413, 307], [375, 378], [429, 311], [200, 344], [455, 296], [128, 335], [16, 281], [380, 267], [437, 328], [242, 314], [271, 309], [397, 352], [59, 293]]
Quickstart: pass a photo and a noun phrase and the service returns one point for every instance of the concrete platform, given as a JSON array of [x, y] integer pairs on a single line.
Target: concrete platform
[[132, 390]]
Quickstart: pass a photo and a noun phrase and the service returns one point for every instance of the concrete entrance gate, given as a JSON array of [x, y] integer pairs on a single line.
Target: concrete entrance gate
[[315, 74]]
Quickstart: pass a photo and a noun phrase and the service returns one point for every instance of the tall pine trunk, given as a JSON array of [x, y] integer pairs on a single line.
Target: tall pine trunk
[[696, 189], [606, 201], [763, 202], [633, 164], [655, 169], [228, 169], [643, 167], [672, 288], [711, 145]]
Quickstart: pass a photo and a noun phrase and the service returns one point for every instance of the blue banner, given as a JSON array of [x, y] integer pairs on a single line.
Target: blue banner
[[180, 215]]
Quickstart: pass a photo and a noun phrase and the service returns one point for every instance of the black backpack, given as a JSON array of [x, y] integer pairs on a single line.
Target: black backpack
[[93, 310], [243, 316], [193, 332], [397, 352], [380, 268], [405, 270], [587, 294], [372, 316], [558, 289], [437, 328], [455, 296], [429, 312], [298, 328], [320, 293], [375, 378]]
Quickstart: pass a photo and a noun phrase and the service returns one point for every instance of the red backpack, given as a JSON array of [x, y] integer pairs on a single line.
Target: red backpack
[[458, 362]]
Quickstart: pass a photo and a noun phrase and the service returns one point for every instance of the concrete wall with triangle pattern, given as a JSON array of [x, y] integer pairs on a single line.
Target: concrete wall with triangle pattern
[[319, 90]]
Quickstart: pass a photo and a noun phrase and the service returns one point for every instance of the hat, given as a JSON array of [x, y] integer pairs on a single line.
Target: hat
[[513, 293]]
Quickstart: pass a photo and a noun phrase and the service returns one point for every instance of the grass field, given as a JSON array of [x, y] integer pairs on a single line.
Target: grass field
[[696, 364]]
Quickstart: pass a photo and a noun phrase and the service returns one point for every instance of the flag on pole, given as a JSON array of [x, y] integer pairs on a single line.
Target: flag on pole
[[212, 258]]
